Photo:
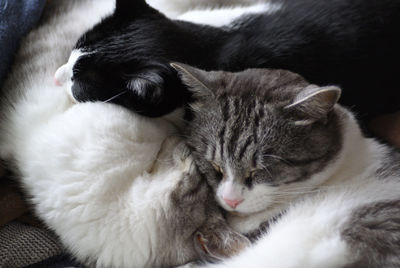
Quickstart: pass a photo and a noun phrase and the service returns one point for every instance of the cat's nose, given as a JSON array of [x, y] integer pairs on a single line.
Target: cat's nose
[[57, 82], [233, 203], [61, 75]]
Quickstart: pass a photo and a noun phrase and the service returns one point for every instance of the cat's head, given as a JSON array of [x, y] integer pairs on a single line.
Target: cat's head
[[122, 60], [261, 137]]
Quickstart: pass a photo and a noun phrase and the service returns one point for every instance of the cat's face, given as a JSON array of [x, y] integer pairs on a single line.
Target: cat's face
[[121, 60], [261, 136]]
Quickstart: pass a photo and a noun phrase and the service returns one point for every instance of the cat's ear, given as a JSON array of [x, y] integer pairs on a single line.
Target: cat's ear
[[129, 6], [147, 85], [313, 103], [157, 84], [199, 82]]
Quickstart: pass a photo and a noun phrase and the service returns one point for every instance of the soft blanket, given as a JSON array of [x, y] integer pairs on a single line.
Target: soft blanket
[[17, 18]]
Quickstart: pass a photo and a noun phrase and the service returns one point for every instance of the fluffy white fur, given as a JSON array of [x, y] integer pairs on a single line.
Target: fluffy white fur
[[225, 16], [33, 97], [96, 178]]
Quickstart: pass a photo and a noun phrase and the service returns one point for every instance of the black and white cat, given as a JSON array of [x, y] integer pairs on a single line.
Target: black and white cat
[[353, 44], [114, 186], [286, 160]]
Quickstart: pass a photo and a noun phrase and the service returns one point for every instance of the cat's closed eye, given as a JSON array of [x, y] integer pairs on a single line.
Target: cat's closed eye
[[250, 178], [217, 168]]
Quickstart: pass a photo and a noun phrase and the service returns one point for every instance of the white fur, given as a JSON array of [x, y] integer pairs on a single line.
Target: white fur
[[63, 75], [174, 8], [228, 189], [33, 96], [309, 234], [87, 166], [88, 170], [225, 16]]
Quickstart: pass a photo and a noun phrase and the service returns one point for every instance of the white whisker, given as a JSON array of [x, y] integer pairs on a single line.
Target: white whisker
[[277, 157], [115, 96]]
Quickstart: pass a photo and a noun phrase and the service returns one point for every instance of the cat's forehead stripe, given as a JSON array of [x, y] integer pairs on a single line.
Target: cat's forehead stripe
[[225, 110], [65, 72], [75, 55], [221, 141], [244, 147]]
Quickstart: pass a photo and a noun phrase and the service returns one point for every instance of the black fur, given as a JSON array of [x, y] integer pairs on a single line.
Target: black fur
[[351, 43]]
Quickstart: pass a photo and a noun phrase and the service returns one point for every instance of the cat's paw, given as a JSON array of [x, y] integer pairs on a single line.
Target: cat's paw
[[219, 243], [188, 265], [182, 156], [182, 152]]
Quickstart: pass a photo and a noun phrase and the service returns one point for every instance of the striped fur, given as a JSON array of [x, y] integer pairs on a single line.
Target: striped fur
[[248, 145], [313, 191]]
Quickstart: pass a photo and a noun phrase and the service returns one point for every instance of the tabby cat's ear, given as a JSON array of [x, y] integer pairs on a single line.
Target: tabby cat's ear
[[198, 81], [313, 103]]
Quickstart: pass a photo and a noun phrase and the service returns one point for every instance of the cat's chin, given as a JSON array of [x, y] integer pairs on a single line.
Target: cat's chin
[[246, 222], [236, 213], [243, 212]]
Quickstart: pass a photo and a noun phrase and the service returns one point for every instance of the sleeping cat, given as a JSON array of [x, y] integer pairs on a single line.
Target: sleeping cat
[[350, 43], [80, 162], [284, 157], [114, 186]]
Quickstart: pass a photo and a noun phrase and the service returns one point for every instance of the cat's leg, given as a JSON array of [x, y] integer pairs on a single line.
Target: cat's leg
[[373, 232], [308, 235], [225, 16], [366, 236], [292, 245]]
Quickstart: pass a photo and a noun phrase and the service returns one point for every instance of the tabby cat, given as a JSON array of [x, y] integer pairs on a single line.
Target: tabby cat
[[293, 171]]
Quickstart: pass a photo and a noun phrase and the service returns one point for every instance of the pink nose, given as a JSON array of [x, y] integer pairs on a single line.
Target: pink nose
[[58, 83], [233, 203]]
